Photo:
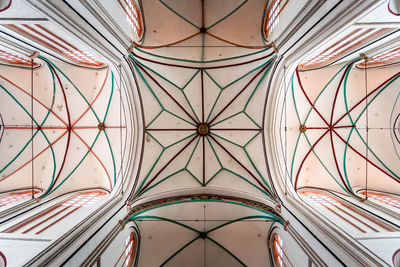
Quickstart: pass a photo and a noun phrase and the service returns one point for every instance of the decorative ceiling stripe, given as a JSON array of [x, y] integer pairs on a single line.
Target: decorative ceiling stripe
[[272, 18], [133, 16], [14, 59], [56, 213], [383, 198], [382, 59], [9, 198], [45, 37], [344, 46], [332, 128], [345, 211]]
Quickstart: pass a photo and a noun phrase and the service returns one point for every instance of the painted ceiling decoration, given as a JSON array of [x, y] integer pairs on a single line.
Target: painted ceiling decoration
[[191, 132], [6, 199], [203, 100], [348, 43], [61, 129], [15, 59], [40, 223], [202, 115], [274, 10], [204, 239], [328, 139], [134, 17], [388, 57], [44, 36]]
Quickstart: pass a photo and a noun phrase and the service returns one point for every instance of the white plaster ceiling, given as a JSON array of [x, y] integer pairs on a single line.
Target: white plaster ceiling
[[336, 152], [203, 87]]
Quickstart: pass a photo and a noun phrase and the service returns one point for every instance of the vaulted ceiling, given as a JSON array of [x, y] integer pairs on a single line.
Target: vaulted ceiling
[[339, 123], [225, 125]]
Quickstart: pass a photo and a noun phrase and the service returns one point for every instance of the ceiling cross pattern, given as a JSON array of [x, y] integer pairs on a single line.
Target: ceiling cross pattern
[[199, 122]]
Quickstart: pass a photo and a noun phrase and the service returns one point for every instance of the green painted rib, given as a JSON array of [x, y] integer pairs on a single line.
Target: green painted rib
[[228, 15], [248, 142], [191, 154], [179, 250], [205, 200], [215, 153], [323, 165], [227, 140], [105, 133], [159, 156], [226, 250], [294, 101], [73, 85], [252, 184], [181, 140], [214, 175], [227, 118], [391, 125], [173, 84], [293, 157], [252, 120], [147, 84], [182, 119], [213, 106], [50, 109], [193, 176], [151, 169], [322, 91], [266, 71], [179, 15], [354, 122], [74, 169], [155, 118]]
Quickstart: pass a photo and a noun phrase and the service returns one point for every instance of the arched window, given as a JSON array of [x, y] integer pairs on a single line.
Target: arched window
[[383, 198], [9, 198], [281, 259], [278, 251], [347, 213], [343, 46], [132, 16], [126, 257], [273, 13], [14, 59]]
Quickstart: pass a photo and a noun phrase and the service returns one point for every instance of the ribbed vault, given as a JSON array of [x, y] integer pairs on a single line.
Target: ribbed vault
[[61, 129], [342, 128], [202, 111], [203, 91]]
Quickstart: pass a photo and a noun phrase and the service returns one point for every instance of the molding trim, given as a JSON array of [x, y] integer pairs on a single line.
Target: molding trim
[[168, 200]]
